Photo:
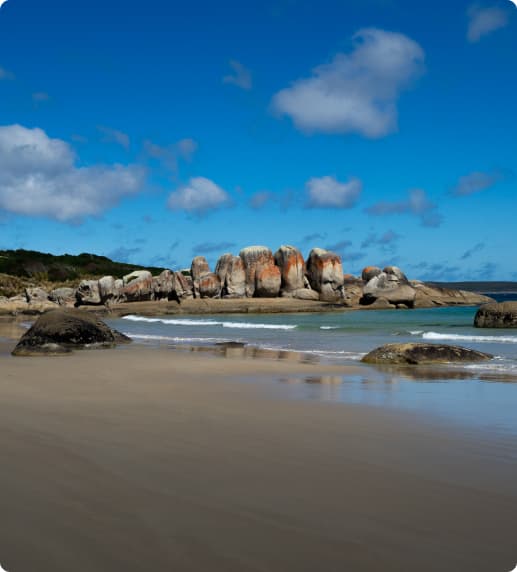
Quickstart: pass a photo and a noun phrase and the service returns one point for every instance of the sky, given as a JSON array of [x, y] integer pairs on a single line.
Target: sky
[[155, 131]]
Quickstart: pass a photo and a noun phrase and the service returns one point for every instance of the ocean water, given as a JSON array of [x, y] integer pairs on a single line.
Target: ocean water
[[343, 337], [480, 397]]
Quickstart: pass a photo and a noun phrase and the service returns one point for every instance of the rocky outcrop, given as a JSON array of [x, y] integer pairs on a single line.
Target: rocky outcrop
[[497, 315], [292, 268], [183, 286], [59, 331], [198, 269], [421, 353], [352, 291], [137, 286], [325, 274], [62, 296], [164, 286], [428, 295], [370, 272], [110, 289], [36, 295], [88, 293], [230, 270], [390, 286], [263, 278], [209, 286]]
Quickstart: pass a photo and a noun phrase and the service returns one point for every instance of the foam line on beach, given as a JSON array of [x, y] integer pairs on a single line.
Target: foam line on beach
[[224, 324], [469, 338]]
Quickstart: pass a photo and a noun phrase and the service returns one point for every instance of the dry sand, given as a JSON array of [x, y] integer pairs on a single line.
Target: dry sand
[[152, 460]]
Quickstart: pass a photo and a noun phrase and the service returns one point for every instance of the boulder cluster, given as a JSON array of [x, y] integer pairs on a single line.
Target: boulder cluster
[[256, 272]]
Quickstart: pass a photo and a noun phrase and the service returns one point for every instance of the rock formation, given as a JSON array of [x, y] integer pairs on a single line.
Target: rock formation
[[88, 293], [325, 274], [137, 286], [58, 331], [390, 287], [263, 278], [497, 315], [230, 270], [63, 296], [421, 353], [292, 268]]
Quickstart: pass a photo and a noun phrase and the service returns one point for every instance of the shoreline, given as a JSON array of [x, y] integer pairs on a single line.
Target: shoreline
[[153, 459]]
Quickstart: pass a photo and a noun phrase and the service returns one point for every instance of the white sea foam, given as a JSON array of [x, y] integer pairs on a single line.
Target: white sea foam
[[224, 324], [154, 338], [468, 338], [329, 327]]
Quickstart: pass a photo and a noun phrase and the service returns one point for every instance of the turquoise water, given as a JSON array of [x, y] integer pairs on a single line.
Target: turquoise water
[[478, 396], [336, 337]]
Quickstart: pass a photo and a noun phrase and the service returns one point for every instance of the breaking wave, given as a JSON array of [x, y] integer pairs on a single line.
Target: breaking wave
[[224, 324]]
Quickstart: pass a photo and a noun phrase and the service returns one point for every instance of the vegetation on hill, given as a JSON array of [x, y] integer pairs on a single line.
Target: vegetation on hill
[[22, 268]]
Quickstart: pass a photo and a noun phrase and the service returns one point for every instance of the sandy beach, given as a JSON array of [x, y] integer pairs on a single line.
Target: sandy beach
[[146, 459]]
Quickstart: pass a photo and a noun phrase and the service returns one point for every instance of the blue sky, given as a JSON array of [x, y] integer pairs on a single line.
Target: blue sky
[[155, 131]]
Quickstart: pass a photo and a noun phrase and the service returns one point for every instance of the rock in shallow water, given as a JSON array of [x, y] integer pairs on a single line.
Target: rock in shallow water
[[415, 354], [497, 315], [59, 331]]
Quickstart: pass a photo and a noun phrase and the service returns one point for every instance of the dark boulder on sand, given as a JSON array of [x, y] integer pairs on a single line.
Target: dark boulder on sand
[[59, 331], [415, 354], [497, 315]]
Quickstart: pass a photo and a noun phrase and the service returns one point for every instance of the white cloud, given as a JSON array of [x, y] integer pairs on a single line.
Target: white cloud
[[2, 2], [484, 21], [327, 192], [38, 177], [114, 136], [198, 195], [357, 92], [241, 76]]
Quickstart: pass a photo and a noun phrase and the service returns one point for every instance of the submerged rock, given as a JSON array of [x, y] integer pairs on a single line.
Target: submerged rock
[[59, 331], [497, 315], [422, 353]]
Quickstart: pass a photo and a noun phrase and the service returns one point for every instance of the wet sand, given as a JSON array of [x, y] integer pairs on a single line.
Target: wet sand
[[138, 459]]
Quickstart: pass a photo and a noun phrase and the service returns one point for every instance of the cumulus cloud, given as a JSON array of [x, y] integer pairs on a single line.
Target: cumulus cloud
[[477, 181], [241, 76], [2, 2], [484, 21], [356, 92], [38, 177], [198, 195], [417, 204], [114, 136], [328, 192]]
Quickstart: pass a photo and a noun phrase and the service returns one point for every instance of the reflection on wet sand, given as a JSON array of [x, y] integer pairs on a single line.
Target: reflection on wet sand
[[236, 350], [392, 376]]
